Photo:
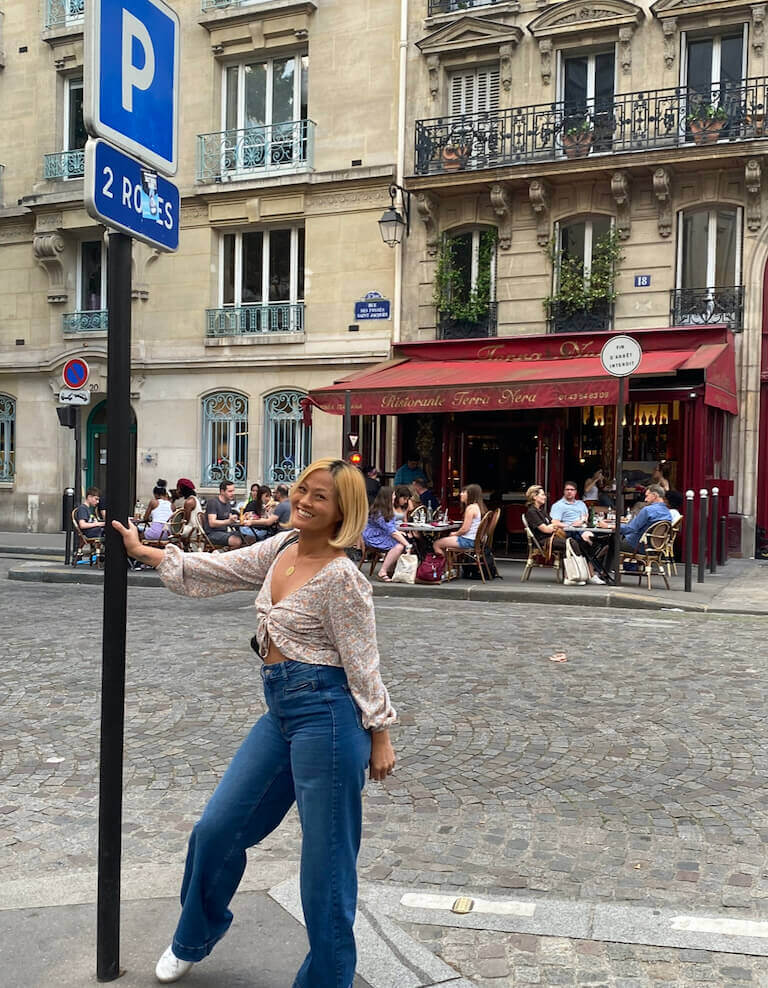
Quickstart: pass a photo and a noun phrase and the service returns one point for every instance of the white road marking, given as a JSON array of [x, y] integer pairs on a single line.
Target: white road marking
[[725, 927], [425, 900]]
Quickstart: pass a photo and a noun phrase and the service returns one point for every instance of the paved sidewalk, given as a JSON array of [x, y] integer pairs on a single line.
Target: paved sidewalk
[[32, 544]]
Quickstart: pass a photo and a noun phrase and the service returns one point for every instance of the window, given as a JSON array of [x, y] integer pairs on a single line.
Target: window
[[264, 113], [466, 285], [265, 269], [7, 438], [474, 91], [709, 267], [92, 276], [587, 92], [584, 269], [225, 438], [713, 71], [287, 440]]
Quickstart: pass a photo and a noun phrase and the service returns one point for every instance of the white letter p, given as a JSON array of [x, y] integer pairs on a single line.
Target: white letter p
[[133, 77]]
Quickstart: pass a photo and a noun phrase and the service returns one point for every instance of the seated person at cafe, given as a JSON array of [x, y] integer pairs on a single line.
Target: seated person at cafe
[[87, 516], [409, 471], [159, 510], [569, 509], [674, 501], [381, 533], [654, 510], [402, 503], [372, 483], [548, 531], [272, 521], [472, 497], [190, 503], [426, 496], [219, 516]]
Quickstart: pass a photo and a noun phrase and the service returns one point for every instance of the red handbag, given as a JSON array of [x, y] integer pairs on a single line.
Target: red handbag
[[431, 568]]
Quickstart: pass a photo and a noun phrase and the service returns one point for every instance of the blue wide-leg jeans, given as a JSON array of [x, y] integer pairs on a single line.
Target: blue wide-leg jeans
[[311, 747]]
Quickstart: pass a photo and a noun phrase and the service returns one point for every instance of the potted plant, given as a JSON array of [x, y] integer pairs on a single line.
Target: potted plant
[[584, 302], [705, 122], [455, 155], [463, 311], [577, 140]]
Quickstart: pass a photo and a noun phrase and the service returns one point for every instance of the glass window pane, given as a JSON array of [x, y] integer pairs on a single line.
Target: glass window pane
[[253, 266], [725, 249], [280, 266], [77, 136], [700, 67], [255, 83], [90, 275], [731, 61], [462, 264], [572, 240], [283, 89], [604, 79], [601, 227], [695, 227], [304, 87], [575, 93], [228, 276], [231, 83], [300, 278]]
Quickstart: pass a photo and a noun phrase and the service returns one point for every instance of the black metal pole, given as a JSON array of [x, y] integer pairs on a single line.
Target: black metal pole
[[619, 475], [713, 534], [67, 507], [115, 599], [78, 485], [723, 541], [345, 450], [689, 495], [703, 525]]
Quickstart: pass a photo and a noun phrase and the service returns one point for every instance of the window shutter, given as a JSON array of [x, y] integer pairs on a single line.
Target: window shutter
[[475, 92], [487, 90]]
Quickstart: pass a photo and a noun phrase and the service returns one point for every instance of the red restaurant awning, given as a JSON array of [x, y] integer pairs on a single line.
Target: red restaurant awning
[[528, 372]]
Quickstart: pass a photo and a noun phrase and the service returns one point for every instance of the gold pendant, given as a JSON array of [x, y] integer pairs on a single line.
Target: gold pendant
[[290, 571]]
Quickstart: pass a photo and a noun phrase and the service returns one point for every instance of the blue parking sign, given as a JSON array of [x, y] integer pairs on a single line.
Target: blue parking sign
[[132, 78]]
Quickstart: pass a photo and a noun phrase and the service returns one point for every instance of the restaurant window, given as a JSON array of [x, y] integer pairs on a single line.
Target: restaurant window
[[287, 440], [225, 438], [92, 276], [266, 103], [583, 257], [465, 287], [708, 286], [7, 438], [587, 84]]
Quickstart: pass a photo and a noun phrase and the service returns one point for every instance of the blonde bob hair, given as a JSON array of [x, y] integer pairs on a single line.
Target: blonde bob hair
[[351, 497], [532, 491]]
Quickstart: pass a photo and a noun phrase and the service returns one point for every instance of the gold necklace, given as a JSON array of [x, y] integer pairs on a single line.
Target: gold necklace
[[290, 571]]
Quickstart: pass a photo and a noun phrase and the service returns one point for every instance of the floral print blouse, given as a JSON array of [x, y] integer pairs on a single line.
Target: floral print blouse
[[328, 621]]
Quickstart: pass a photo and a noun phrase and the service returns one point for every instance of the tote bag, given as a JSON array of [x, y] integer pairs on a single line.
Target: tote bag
[[405, 570], [575, 566]]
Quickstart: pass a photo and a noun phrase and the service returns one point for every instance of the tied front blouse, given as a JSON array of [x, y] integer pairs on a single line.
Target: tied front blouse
[[329, 621]]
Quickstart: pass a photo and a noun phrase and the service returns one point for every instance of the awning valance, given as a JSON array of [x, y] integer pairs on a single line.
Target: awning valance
[[528, 372]]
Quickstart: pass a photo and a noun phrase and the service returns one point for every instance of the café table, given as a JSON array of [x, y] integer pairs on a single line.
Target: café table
[[427, 533]]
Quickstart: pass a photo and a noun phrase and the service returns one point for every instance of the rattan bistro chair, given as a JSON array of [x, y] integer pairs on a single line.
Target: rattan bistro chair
[[537, 556], [203, 542], [654, 542], [476, 555], [90, 549], [669, 549]]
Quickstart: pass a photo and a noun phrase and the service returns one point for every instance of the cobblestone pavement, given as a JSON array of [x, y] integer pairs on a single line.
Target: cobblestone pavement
[[635, 771]]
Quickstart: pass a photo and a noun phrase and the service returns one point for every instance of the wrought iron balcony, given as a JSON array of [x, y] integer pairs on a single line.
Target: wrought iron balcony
[[467, 329], [449, 6], [563, 319], [255, 320], [64, 164], [642, 121], [62, 13], [233, 155], [88, 321], [701, 306]]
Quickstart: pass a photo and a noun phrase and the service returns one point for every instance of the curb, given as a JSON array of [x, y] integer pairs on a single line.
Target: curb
[[32, 550]]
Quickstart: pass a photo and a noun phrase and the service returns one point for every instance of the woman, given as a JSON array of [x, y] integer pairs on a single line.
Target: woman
[[402, 503], [659, 476], [256, 508], [381, 533], [593, 485], [191, 506], [327, 719], [159, 510], [471, 497], [548, 532]]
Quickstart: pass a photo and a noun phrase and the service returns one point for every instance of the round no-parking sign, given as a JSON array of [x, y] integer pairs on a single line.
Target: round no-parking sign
[[75, 373], [621, 356]]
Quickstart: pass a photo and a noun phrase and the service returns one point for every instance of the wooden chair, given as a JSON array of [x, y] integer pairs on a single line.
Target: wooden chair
[[476, 555], [203, 542], [168, 538], [654, 547], [176, 525], [669, 550], [90, 549], [537, 556], [368, 553]]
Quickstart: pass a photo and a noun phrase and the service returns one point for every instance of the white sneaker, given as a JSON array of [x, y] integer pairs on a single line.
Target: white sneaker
[[171, 968], [596, 579]]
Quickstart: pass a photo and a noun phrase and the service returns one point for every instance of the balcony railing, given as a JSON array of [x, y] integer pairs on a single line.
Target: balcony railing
[[64, 164], [466, 329], [255, 320], [702, 306], [563, 319], [449, 6], [89, 321], [221, 4], [230, 155], [643, 121], [62, 13]]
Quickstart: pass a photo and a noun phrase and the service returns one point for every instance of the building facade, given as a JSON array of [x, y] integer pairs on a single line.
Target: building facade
[[579, 170], [287, 149]]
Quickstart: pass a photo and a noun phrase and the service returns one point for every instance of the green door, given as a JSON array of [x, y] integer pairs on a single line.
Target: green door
[[96, 451]]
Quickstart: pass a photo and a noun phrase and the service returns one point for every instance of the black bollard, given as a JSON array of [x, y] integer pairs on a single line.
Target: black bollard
[[723, 540], [703, 525], [67, 507], [689, 495], [713, 535]]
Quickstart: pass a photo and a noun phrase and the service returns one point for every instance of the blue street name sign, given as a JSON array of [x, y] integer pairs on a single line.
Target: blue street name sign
[[131, 80], [122, 193], [372, 309]]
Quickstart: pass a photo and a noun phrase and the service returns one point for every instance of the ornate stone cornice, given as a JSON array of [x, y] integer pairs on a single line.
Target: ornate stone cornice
[[545, 52], [428, 208], [572, 16], [620, 190], [753, 183], [539, 196], [692, 10], [501, 200], [48, 249], [469, 34], [662, 190]]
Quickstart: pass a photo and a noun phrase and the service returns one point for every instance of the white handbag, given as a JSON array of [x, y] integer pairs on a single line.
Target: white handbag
[[574, 566], [405, 568]]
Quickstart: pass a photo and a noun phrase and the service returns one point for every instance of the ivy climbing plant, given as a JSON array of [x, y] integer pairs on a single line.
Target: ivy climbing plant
[[453, 297]]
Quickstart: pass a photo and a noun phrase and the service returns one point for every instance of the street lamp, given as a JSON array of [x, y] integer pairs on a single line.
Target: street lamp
[[392, 223]]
